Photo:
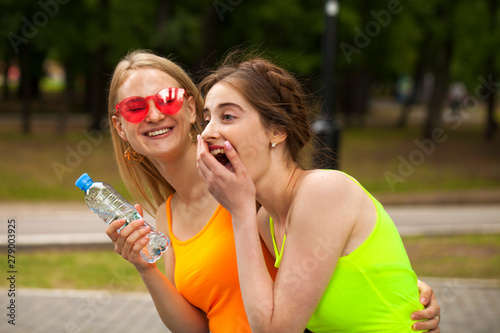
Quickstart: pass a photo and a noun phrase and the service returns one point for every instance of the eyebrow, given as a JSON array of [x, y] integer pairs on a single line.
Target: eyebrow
[[222, 106]]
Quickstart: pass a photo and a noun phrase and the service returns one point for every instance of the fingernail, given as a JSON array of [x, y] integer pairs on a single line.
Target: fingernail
[[227, 144], [413, 317], [423, 300], [198, 137]]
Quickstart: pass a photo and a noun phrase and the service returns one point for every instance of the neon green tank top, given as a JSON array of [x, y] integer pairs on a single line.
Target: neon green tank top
[[373, 289]]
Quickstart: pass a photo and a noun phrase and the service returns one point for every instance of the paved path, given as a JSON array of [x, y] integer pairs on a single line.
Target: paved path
[[81, 311], [446, 219], [468, 306]]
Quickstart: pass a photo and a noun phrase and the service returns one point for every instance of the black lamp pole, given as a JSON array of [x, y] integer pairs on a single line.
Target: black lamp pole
[[326, 127]]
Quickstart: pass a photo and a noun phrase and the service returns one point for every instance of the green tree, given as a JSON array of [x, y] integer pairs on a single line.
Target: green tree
[[476, 63]]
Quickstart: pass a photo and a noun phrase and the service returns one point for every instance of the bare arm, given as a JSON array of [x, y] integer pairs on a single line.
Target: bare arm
[[287, 304], [174, 310]]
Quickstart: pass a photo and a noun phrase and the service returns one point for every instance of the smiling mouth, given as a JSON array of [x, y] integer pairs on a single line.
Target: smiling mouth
[[220, 156], [159, 132]]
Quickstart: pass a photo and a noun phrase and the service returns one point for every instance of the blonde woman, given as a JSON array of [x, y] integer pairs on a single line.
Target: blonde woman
[[152, 106]]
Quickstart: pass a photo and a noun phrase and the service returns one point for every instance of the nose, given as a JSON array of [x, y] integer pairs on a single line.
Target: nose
[[154, 115], [211, 132]]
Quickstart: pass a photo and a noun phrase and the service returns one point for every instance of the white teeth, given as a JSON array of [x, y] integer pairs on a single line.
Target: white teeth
[[163, 131], [217, 151]]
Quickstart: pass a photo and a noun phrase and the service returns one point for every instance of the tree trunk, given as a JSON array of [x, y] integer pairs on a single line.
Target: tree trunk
[[354, 100], [441, 69], [210, 31], [5, 88], [491, 124], [68, 98], [25, 89], [162, 18], [97, 85], [99, 73], [30, 66], [418, 86], [436, 102]]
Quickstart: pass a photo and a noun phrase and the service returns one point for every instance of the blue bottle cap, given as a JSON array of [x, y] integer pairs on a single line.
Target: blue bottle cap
[[84, 182]]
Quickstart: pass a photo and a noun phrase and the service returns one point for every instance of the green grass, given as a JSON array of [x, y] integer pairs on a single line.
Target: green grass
[[45, 167], [76, 269], [463, 162], [463, 256], [467, 256]]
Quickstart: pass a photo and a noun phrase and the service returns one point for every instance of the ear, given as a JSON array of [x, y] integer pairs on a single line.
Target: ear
[[192, 109], [278, 135], [117, 122]]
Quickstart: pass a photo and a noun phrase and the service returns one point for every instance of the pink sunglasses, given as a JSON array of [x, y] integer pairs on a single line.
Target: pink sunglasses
[[135, 108]]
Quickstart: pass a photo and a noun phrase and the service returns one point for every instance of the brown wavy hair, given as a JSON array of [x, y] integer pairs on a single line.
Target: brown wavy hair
[[274, 92]]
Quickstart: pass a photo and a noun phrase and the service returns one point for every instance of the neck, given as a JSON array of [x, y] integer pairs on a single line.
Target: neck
[[181, 173], [276, 190]]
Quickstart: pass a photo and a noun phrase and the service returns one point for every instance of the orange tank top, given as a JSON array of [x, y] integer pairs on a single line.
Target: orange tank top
[[206, 273]]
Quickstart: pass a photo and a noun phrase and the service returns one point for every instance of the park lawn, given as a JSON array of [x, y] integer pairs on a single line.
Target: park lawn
[[400, 161], [44, 166], [461, 256], [76, 269], [467, 256]]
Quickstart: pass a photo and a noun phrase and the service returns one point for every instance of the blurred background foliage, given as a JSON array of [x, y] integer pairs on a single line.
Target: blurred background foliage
[[57, 56]]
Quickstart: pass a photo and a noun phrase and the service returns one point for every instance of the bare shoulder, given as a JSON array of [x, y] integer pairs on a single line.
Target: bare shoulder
[[328, 195], [329, 185]]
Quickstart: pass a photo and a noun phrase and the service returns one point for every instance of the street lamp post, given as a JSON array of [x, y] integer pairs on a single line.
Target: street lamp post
[[326, 127]]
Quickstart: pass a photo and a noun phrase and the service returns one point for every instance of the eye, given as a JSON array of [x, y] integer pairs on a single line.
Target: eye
[[135, 105], [227, 117], [166, 96], [164, 101], [204, 123]]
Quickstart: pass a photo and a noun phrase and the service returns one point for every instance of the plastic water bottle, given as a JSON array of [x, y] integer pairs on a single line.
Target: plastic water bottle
[[109, 205]]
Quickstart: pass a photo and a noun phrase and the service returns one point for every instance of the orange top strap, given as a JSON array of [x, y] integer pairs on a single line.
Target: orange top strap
[[206, 272]]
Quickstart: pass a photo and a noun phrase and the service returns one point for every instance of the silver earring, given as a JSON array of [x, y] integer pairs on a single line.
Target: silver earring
[[273, 144]]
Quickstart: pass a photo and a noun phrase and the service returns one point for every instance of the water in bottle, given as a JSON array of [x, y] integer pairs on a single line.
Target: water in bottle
[[109, 205]]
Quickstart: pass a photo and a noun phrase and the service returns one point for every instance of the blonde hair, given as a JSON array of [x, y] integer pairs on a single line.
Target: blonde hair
[[143, 180]]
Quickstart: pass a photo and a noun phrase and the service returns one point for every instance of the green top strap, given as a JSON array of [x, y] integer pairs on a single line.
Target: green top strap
[[278, 254]]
